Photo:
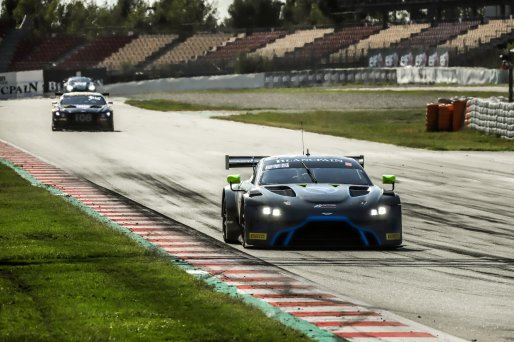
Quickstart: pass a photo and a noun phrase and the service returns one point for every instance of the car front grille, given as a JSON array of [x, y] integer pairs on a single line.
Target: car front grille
[[332, 234]]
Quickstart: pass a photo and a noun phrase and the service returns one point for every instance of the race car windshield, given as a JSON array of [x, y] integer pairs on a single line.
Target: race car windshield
[[89, 100], [79, 80], [331, 175]]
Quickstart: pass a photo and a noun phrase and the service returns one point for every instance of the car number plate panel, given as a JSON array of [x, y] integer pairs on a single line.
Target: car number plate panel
[[83, 117]]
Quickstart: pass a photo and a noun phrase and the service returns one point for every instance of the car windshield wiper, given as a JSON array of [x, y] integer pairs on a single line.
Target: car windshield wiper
[[309, 172]]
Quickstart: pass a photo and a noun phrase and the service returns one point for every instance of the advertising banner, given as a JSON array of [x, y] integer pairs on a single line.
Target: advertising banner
[[21, 84]]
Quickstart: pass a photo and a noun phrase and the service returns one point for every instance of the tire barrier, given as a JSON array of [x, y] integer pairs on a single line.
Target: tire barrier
[[413, 75], [491, 116], [306, 78]]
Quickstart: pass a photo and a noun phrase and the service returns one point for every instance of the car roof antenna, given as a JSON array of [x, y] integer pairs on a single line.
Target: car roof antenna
[[303, 144]]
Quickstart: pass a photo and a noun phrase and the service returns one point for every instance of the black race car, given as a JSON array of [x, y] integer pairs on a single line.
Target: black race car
[[82, 111], [80, 83], [298, 201]]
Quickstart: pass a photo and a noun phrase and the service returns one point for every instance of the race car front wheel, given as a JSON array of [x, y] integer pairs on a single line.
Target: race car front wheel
[[231, 229]]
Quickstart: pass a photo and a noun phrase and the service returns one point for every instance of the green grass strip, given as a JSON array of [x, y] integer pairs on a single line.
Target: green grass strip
[[63, 276], [402, 127]]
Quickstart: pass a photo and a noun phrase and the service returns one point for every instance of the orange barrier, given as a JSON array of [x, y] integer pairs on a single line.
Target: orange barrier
[[459, 110], [431, 117], [445, 117]]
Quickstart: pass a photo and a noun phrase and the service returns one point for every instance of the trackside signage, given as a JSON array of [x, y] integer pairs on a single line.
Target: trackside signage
[[21, 84]]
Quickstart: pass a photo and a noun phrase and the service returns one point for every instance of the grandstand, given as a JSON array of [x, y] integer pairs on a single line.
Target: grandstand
[[437, 34], [136, 51], [352, 41], [482, 34], [242, 45], [332, 42], [32, 56], [196, 45], [292, 41], [381, 40], [92, 53]]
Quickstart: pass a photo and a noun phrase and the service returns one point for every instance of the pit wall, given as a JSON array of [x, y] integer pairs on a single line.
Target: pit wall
[[491, 117]]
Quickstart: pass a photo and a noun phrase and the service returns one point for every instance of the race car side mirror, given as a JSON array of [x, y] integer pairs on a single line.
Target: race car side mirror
[[233, 179], [389, 179]]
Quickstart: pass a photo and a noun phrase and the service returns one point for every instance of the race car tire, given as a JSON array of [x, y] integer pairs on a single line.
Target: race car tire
[[110, 126], [230, 227]]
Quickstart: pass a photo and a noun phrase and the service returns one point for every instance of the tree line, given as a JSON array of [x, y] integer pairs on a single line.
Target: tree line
[[87, 16]]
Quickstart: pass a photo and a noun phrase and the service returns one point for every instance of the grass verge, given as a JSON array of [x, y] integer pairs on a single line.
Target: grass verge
[[169, 105], [65, 276], [403, 127]]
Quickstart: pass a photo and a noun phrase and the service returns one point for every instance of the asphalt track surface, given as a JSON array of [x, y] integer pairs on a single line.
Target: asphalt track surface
[[455, 272]]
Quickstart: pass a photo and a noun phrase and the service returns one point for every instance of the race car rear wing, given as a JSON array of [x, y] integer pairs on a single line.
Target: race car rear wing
[[241, 161], [251, 161]]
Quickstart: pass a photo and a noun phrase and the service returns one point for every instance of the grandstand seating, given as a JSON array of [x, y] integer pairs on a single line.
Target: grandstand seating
[[298, 39], [243, 44], [36, 56], [300, 49], [383, 39], [137, 51], [435, 35], [194, 46], [94, 52], [333, 42], [483, 34]]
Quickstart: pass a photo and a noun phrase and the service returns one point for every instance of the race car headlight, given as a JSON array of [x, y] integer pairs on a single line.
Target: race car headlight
[[91, 87], [107, 114], [69, 87], [379, 211], [57, 113], [271, 211]]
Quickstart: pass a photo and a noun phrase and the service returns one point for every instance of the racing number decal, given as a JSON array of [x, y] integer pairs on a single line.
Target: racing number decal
[[83, 117]]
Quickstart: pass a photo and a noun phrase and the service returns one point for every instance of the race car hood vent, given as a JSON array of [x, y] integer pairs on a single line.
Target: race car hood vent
[[282, 190], [358, 190]]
